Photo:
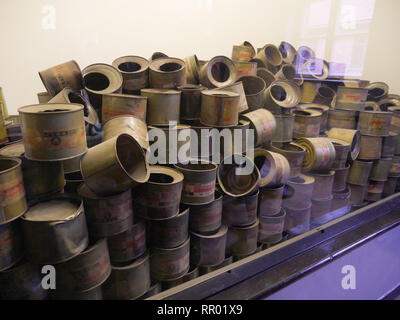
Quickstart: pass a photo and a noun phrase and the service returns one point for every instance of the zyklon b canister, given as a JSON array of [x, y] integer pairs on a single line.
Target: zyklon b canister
[[263, 123], [242, 53], [297, 220], [318, 107], [53, 132], [380, 169], [303, 186], [323, 185], [270, 201], [192, 67], [160, 196], [293, 153], [359, 172], [307, 123], [206, 218], [219, 108], [115, 104], [11, 245], [134, 71], [245, 68], [254, 89], [107, 216], [390, 186], [167, 73], [375, 123], [163, 105], [284, 128], [273, 167], [344, 119], [370, 147], [319, 153], [240, 211], [55, 230], [389, 145], [374, 190], [190, 102], [351, 136], [351, 98], [242, 240], [218, 72], [236, 87], [208, 250], [271, 227], [342, 149]]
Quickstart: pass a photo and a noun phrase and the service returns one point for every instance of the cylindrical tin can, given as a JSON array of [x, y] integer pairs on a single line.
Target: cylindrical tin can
[[286, 72], [242, 53], [40, 178], [207, 269], [389, 145], [271, 56], [55, 231], [12, 202], [167, 73], [245, 68], [206, 218], [359, 172], [374, 123], [344, 119], [351, 98], [341, 200], [284, 128], [208, 250], [323, 185], [395, 122], [270, 201], [160, 196], [72, 182], [171, 232], [318, 107], [266, 75], [380, 169], [319, 153], [107, 216], [170, 264], [124, 167], [351, 136], [218, 72], [128, 281], [219, 108], [339, 182], [274, 168], [324, 95], [22, 282], [115, 104], [271, 228], [236, 87], [297, 220], [190, 102], [282, 95], [342, 149], [395, 167], [242, 240], [192, 67], [240, 212], [263, 123], [135, 73], [307, 123], [53, 132], [377, 91], [390, 186], [370, 147], [67, 74], [287, 51], [129, 125], [294, 155], [193, 273], [303, 187], [374, 190], [357, 194], [238, 143], [128, 245], [87, 270], [320, 207], [11, 245], [198, 183], [43, 97], [162, 106], [238, 176], [254, 89]]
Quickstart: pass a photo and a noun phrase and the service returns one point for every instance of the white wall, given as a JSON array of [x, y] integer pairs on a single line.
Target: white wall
[[91, 31]]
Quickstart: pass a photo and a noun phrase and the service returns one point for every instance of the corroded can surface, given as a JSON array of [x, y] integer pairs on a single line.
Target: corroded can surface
[[303, 186], [240, 212], [370, 147], [242, 53], [320, 153], [115, 104], [190, 102], [351, 98], [389, 145], [293, 153], [135, 73], [254, 87], [323, 185], [219, 108], [245, 68], [271, 227], [395, 122], [270, 56], [263, 123], [242, 240], [273, 167], [270, 201], [192, 67], [375, 123], [236, 87], [167, 73], [319, 107], [206, 219], [351, 136], [11, 245], [282, 95], [53, 132], [307, 123], [344, 119]]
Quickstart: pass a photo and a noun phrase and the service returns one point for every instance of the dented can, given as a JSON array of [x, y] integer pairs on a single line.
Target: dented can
[[245, 68], [319, 153], [11, 245], [380, 169], [284, 128], [375, 123], [192, 67], [240, 212], [115, 104], [218, 72], [318, 107], [370, 147], [263, 123], [219, 108], [167, 73], [294, 154], [53, 132], [271, 227], [134, 71], [307, 123], [242, 240], [273, 167], [342, 149], [190, 102], [206, 218]]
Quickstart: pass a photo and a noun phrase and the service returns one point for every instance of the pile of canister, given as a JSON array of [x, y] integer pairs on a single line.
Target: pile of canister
[[78, 194]]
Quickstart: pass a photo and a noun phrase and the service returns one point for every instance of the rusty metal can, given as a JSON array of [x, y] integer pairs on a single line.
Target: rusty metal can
[[293, 153], [351, 98], [307, 123], [11, 245], [357, 194], [199, 182], [206, 219], [271, 227], [324, 95], [107, 216], [134, 71], [359, 172], [236, 142], [270, 201], [284, 128], [171, 232], [40, 178], [380, 169], [219, 108], [374, 123], [254, 88], [281, 96], [303, 187], [207, 269], [53, 132], [245, 68], [124, 167], [242, 53], [389, 145], [192, 67], [55, 230], [318, 107], [170, 264], [240, 212], [323, 185], [390, 186], [351, 136], [218, 72], [115, 104], [344, 119], [128, 281], [190, 101], [128, 245], [163, 105], [263, 123], [274, 168], [287, 51], [43, 97], [320, 208], [270, 56], [285, 72], [374, 190], [129, 125], [339, 182], [87, 270], [319, 153], [167, 73], [193, 273], [370, 147], [242, 240], [236, 87], [208, 250], [394, 170], [297, 220], [22, 282], [67, 74], [13, 202], [342, 149]]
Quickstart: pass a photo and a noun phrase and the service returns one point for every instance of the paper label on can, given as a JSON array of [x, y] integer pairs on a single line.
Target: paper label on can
[[59, 139], [325, 150], [243, 69], [375, 188], [353, 98], [132, 241], [378, 123], [194, 190], [11, 191]]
